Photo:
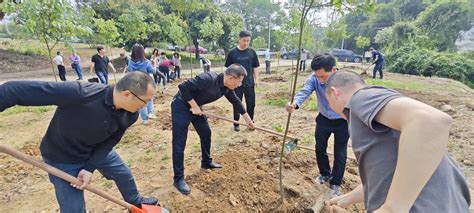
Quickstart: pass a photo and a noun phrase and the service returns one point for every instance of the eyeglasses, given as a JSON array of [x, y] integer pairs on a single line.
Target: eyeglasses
[[138, 97]]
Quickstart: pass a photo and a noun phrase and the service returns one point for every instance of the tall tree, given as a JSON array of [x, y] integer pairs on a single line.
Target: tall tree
[[445, 21], [256, 14], [50, 21], [232, 24]]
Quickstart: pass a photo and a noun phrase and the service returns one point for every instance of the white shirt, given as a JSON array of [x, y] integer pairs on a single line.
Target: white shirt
[[304, 55], [267, 55], [58, 60]]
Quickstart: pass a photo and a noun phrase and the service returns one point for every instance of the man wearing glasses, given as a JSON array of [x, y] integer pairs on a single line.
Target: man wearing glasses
[[90, 119], [186, 109]]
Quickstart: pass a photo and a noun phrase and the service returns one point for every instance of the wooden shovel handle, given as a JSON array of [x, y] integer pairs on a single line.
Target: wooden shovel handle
[[58, 173], [244, 124]]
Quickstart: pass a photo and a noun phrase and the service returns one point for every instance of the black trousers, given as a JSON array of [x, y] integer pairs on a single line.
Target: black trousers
[[303, 65], [249, 93], [177, 69], [181, 117], [62, 72], [324, 128]]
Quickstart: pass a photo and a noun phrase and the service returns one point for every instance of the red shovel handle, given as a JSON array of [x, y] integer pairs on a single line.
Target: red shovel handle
[[64, 176]]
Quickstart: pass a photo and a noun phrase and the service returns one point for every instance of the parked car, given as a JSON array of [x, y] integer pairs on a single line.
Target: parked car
[[192, 48], [260, 51], [174, 47], [292, 54], [346, 55]]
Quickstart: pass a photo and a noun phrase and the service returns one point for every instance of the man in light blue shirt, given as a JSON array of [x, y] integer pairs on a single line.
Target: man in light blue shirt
[[328, 122]]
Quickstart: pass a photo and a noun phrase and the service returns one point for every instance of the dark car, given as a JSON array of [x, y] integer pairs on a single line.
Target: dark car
[[346, 55], [292, 54]]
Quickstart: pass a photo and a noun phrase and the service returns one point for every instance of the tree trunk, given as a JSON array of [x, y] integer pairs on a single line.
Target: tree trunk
[[51, 62], [196, 45]]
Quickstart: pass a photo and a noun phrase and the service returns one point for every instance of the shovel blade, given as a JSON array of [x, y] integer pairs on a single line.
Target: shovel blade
[[290, 146], [149, 209]]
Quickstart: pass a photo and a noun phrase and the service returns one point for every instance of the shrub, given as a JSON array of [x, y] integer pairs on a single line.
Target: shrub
[[414, 60]]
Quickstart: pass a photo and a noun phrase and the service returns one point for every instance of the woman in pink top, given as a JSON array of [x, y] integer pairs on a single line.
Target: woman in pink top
[[165, 65]]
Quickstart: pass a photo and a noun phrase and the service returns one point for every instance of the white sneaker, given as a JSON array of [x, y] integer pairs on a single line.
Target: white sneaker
[[151, 116], [145, 122]]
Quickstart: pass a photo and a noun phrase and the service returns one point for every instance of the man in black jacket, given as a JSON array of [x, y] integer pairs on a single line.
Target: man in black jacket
[[186, 109], [90, 119]]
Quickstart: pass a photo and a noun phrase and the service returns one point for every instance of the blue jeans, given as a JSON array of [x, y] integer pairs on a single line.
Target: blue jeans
[[144, 111], [77, 68], [71, 200], [103, 77], [181, 117]]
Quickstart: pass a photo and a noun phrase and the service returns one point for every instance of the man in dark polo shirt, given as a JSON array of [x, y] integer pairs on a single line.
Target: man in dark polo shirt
[[186, 109], [401, 149], [245, 56], [90, 119], [100, 62]]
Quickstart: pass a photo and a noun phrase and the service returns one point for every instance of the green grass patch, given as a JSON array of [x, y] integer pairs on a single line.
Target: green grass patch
[[308, 139], [311, 104], [280, 102], [165, 157], [409, 85], [21, 109], [278, 127]]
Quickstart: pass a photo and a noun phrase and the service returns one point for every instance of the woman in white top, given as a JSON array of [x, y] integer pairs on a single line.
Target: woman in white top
[[177, 64]]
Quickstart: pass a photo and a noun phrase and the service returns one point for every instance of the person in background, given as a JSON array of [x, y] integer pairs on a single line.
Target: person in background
[[139, 63], [164, 67], [303, 57], [76, 64], [177, 64], [205, 64], [100, 62], [247, 57], [58, 60], [126, 60], [378, 60], [267, 61]]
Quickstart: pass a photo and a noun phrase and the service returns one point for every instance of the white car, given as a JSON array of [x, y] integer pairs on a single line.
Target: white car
[[261, 51]]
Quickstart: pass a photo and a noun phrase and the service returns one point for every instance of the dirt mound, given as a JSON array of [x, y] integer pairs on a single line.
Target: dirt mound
[[249, 182], [277, 95], [10, 61], [274, 79]]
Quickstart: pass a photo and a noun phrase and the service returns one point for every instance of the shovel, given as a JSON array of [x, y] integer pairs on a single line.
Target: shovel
[[292, 145], [365, 70], [56, 172], [293, 139]]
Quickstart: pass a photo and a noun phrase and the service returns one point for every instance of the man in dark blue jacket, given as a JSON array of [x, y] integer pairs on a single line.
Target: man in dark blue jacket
[[378, 60]]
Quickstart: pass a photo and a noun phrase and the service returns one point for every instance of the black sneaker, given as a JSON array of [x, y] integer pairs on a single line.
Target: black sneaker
[[152, 201], [335, 189], [323, 179], [237, 128]]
